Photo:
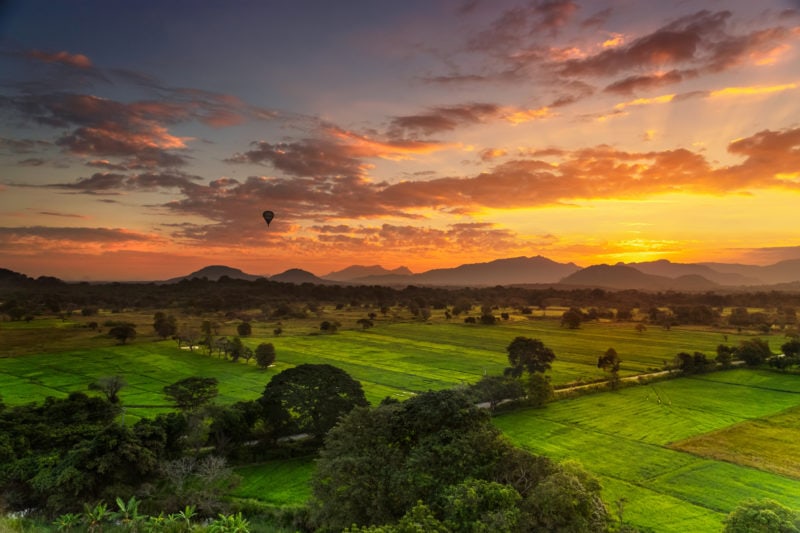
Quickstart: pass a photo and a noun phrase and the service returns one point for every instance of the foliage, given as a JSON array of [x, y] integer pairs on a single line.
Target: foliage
[[191, 393], [572, 318], [310, 399], [164, 325], [265, 355], [531, 355], [494, 389], [753, 352], [244, 329], [436, 448], [762, 516], [610, 362], [110, 387], [123, 332]]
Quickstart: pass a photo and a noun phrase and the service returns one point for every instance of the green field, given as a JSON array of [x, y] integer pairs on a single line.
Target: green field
[[625, 438], [280, 482], [635, 439], [395, 358]]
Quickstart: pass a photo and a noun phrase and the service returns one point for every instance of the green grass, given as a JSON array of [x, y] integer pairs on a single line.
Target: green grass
[[625, 437], [762, 443], [398, 357], [280, 482]]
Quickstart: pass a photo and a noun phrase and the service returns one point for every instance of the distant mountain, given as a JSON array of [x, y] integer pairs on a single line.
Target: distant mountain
[[514, 271], [668, 269], [623, 277], [11, 278], [357, 271], [296, 275], [214, 272], [783, 272]]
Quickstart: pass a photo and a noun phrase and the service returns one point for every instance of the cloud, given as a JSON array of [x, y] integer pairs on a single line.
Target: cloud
[[532, 179], [22, 146], [516, 26], [676, 43], [60, 214], [699, 43], [110, 183], [21, 235], [63, 57], [633, 84], [440, 119], [334, 153]]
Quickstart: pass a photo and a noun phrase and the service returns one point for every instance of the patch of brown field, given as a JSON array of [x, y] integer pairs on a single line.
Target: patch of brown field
[[771, 444]]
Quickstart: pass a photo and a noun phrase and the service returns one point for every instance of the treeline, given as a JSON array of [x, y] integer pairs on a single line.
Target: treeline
[[22, 297]]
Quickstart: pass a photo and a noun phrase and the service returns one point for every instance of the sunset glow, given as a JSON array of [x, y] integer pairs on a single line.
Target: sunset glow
[[140, 144]]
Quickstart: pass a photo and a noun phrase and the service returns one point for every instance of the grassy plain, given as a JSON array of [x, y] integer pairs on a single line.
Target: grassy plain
[[397, 357], [628, 439], [635, 439]]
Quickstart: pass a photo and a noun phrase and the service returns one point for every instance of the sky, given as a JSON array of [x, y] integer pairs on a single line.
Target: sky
[[143, 140]]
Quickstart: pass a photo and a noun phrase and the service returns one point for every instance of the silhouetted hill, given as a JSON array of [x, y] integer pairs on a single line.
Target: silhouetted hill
[[668, 269], [296, 275], [514, 271], [782, 272], [10, 278], [214, 272], [623, 277], [358, 271]]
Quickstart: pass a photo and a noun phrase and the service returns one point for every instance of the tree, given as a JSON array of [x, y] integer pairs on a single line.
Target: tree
[[123, 332], [365, 323], [235, 349], [568, 500], [572, 318], [109, 386], [724, 355], [379, 463], [191, 393], [265, 355], [164, 325], [531, 355], [754, 352], [494, 389], [610, 362], [310, 399], [244, 329], [762, 516]]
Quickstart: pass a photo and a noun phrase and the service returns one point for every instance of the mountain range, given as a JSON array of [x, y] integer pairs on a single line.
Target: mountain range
[[655, 275]]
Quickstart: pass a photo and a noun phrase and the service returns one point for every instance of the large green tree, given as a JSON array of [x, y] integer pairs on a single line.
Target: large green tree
[[436, 448], [310, 399], [531, 355], [189, 394], [762, 516]]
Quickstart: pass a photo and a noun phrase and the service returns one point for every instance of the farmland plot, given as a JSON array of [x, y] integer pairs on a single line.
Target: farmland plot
[[627, 439]]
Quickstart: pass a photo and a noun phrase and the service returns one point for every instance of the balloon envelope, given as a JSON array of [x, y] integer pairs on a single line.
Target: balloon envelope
[[268, 216]]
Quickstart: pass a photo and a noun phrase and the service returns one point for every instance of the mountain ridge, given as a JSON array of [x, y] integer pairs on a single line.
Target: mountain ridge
[[537, 270]]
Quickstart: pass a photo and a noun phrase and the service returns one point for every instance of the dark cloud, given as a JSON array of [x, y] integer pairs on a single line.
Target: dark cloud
[[307, 157], [85, 235], [439, 119], [32, 162], [598, 19], [113, 183], [22, 146], [676, 43], [633, 84], [515, 28], [59, 214], [333, 153]]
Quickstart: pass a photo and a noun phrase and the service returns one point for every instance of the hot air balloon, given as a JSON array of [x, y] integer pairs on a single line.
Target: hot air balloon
[[268, 216]]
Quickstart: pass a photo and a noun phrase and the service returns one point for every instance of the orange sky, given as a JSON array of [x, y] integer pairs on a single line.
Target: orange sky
[[410, 134]]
